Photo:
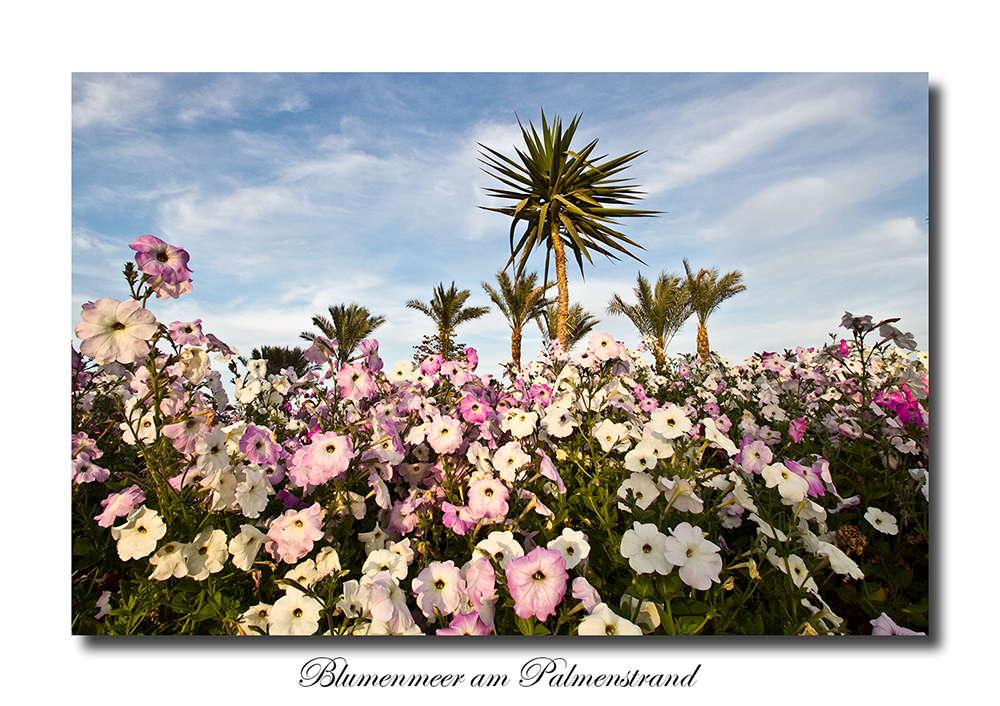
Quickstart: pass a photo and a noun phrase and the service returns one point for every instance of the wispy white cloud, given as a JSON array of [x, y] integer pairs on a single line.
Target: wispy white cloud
[[112, 100]]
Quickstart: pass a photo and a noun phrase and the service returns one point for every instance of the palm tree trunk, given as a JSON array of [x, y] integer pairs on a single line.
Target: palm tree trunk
[[562, 319], [515, 347], [703, 342]]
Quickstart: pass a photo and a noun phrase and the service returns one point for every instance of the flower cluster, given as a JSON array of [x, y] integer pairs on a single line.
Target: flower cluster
[[583, 493]]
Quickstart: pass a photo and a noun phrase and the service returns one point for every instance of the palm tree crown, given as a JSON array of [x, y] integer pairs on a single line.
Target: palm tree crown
[[520, 302], [579, 324], [707, 290], [566, 199], [348, 326], [446, 309], [281, 357], [659, 312]]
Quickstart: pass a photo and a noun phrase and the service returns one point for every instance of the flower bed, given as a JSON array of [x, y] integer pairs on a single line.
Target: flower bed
[[583, 494]]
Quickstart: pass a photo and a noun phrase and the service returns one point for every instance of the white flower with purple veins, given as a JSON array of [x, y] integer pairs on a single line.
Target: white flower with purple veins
[[669, 422], [508, 459], [521, 423], [244, 546], [609, 434], [882, 521], [602, 621], [558, 422], [137, 538], [644, 547], [791, 486], [643, 489], [501, 546], [572, 545], [698, 559]]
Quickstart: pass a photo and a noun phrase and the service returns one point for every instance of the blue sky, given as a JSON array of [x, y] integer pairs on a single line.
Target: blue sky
[[294, 192]]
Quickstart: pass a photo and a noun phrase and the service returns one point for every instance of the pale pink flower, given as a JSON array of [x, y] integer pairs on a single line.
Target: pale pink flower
[[439, 588], [537, 582], [466, 624], [114, 331], [698, 559], [292, 535], [444, 434], [355, 383], [488, 498]]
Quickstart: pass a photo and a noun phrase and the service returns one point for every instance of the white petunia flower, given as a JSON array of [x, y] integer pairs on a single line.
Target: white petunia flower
[[882, 521]]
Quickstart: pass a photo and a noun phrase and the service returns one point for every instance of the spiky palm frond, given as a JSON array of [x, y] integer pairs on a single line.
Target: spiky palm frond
[[660, 311], [707, 290], [349, 325], [566, 199], [448, 311]]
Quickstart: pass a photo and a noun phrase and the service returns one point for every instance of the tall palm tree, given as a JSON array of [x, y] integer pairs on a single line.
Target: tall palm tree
[[707, 290], [520, 302], [580, 324], [566, 200], [659, 313], [448, 311], [348, 325]]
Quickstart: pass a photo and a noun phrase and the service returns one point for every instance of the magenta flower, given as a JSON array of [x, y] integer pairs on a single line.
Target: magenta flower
[[797, 429], [812, 476], [537, 582], [157, 259], [474, 411], [115, 331]]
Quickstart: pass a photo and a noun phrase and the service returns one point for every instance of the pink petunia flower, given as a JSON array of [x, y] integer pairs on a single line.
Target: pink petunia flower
[[488, 498], [797, 429], [292, 535], [187, 333], [439, 587], [537, 582], [120, 505], [327, 456], [458, 518], [157, 259], [466, 624]]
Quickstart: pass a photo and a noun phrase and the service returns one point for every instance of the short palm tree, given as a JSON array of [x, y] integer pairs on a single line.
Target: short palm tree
[[659, 312], [707, 290], [580, 324], [280, 357], [348, 325], [520, 302], [567, 200], [448, 311]]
